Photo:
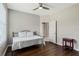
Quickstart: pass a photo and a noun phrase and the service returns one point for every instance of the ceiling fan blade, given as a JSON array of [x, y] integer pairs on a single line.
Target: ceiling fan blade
[[36, 8], [46, 8]]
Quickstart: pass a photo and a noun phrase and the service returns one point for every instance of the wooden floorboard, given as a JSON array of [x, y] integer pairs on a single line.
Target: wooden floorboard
[[38, 50]]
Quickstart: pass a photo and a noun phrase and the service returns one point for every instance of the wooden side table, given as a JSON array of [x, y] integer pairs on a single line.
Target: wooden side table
[[68, 43]]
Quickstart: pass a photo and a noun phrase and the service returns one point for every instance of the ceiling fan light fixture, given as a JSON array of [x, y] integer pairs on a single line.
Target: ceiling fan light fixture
[[40, 8]]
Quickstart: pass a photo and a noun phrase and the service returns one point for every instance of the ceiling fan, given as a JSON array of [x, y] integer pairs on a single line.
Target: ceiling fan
[[41, 7]]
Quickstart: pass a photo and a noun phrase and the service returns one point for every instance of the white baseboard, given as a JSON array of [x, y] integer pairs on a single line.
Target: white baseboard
[[61, 45], [5, 51], [76, 49]]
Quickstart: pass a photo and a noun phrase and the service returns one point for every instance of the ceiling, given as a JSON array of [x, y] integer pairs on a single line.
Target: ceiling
[[28, 7]]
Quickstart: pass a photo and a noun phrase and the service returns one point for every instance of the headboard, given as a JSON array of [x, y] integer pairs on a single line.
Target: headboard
[[15, 34]]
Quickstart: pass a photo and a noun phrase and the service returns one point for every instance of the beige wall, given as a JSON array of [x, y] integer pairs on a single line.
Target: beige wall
[[68, 24], [19, 21]]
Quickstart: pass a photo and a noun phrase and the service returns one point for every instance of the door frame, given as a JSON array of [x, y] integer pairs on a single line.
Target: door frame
[[56, 32], [47, 34]]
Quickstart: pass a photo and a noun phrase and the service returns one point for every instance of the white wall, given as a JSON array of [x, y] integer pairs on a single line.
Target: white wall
[[68, 24], [3, 28], [19, 21]]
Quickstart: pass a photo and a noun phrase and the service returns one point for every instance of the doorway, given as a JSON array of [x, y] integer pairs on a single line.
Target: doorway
[[45, 30]]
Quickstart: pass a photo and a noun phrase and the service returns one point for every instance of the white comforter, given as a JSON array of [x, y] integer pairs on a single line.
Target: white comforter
[[21, 42]]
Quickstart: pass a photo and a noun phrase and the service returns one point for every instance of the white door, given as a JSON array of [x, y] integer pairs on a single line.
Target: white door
[[52, 31]]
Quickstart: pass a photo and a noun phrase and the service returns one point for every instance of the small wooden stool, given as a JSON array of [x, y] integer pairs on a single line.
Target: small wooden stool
[[70, 45]]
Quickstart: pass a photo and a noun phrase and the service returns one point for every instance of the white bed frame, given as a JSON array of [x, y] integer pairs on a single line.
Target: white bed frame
[[19, 43]]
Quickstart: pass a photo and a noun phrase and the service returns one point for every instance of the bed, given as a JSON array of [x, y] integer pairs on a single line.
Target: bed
[[26, 39]]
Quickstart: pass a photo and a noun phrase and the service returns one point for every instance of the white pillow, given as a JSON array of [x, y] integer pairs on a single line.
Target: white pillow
[[29, 34], [22, 34]]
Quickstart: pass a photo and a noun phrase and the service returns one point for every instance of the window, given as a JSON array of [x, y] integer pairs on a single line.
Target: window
[[2, 23]]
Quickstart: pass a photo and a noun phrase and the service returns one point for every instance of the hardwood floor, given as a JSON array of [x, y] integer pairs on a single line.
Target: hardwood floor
[[49, 50]]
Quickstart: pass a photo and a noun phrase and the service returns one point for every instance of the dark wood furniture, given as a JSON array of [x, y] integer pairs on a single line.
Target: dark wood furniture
[[68, 43]]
